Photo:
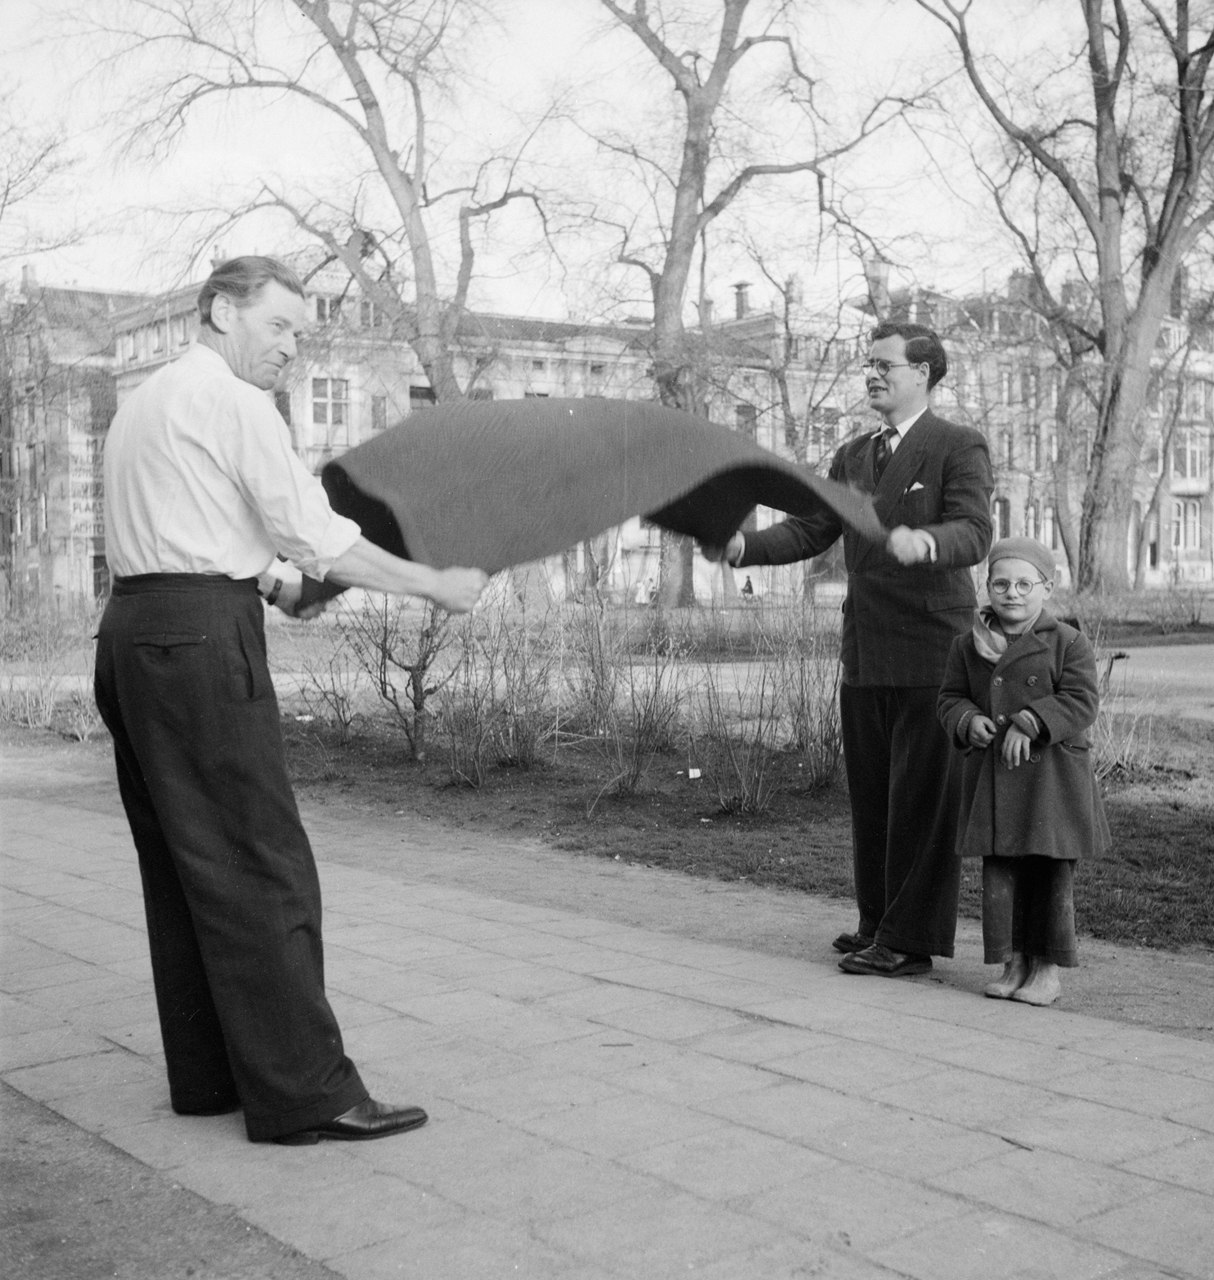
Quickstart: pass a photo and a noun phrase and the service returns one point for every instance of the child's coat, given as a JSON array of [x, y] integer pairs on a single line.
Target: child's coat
[[1050, 805]]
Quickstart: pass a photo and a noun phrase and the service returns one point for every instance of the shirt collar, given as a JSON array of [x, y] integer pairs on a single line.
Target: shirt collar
[[903, 427]]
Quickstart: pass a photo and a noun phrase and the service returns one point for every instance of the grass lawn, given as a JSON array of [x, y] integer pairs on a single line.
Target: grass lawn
[[1156, 887]]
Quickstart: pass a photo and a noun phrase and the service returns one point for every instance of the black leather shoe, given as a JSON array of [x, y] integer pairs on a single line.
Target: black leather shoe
[[370, 1119], [849, 942], [881, 962]]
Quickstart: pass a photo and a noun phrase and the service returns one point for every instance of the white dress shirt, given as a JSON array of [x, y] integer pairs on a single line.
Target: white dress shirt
[[900, 429], [200, 477]]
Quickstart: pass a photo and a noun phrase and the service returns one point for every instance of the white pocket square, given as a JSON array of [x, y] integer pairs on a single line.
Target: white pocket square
[[915, 486]]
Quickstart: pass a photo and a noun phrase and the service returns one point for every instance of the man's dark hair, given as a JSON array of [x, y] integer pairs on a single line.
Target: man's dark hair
[[241, 279], [922, 347]]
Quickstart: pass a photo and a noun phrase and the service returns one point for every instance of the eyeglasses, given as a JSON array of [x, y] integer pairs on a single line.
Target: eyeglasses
[[882, 367], [1001, 586]]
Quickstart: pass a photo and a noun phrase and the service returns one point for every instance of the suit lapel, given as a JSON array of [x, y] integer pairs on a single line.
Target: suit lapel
[[904, 466], [899, 475]]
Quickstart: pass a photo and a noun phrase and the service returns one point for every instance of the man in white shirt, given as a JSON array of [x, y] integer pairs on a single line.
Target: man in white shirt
[[906, 600], [202, 491]]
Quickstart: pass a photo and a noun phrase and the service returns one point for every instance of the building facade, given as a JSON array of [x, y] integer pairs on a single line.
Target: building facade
[[787, 377]]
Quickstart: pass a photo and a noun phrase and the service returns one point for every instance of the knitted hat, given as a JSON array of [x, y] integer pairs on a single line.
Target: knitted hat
[[1038, 555]]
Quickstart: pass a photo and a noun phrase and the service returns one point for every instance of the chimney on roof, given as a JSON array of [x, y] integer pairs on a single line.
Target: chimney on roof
[[218, 257], [29, 280], [876, 276], [741, 303]]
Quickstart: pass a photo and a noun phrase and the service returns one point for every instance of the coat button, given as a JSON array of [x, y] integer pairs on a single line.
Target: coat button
[[1035, 757], [1001, 719], [997, 680], [1032, 680]]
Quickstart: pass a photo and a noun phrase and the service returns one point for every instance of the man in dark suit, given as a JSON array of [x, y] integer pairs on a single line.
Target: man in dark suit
[[906, 600]]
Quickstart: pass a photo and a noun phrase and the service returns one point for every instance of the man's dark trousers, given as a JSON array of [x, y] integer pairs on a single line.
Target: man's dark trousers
[[229, 882], [905, 793]]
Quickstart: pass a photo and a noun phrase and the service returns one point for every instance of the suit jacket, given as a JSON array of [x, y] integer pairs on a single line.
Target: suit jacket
[[899, 621], [1050, 806]]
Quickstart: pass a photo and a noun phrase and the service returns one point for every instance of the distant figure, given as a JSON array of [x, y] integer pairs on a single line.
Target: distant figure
[[1019, 696], [646, 591], [748, 588]]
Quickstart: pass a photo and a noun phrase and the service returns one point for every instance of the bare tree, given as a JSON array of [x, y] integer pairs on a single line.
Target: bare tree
[[378, 68], [1121, 134], [707, 177]]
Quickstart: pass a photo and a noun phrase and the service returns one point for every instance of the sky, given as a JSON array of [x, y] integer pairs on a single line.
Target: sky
[[132, 210]]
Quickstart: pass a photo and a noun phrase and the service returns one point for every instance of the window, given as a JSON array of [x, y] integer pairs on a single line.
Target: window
[[481, 393], [1186, 526], [158, 335], [538, 366], [746, 420], [379, 413], [42, 513], [181, 330], [1007, 450], [1001, 511], [1028, 386], [328, 310], [1049, 529], [1005, 386], [331, 405], [421, 397], [1034, 447], [597, 369], [1031, 521], [1189, 453], [1153, 540], [371, 315], [535, 395]]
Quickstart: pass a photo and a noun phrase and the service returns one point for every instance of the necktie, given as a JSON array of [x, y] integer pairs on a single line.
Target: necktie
[[883, 452]]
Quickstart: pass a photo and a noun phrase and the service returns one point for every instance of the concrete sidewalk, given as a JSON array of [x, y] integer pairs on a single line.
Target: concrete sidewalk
[[613, 1101]]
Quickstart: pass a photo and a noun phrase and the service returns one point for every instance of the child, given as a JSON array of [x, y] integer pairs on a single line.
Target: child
[[1018, 698]]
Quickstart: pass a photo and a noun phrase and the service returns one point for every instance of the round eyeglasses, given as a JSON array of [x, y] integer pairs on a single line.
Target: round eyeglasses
[[882, 367], [1001, 586]]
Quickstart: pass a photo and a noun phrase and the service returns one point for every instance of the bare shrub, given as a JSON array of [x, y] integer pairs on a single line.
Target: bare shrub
[[1121, 736], [593, 666], [468, 713], [329, 687], [40, 648], [805, 672], [400, 651], [631, 737], [736, 742], [1177, 607], [524, 654]]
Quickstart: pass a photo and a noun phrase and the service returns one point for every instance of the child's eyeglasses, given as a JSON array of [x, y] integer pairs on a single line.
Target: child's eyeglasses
[[1001, 586]]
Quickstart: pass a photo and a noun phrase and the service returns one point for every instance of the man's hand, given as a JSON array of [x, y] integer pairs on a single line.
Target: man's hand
[[981, 731], [458, 590], [730, 553], [909, 546], [1016, 747]]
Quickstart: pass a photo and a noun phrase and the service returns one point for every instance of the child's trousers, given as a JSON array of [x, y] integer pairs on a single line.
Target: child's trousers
[[1028, 905]]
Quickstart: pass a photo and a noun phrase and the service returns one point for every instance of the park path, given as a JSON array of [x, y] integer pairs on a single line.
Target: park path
[[610, 1099]]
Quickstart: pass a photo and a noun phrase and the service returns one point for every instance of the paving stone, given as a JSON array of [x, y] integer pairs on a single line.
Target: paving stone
[[995, 1246], [852, 1208], [1188, 1164], [1142, 1089], [1089, 1130], [48, 1081], [61, 1040], [1044, 1186], [728, 1163], [667, 1235], [1174, 1228], [614, 1126], [963, 1097]]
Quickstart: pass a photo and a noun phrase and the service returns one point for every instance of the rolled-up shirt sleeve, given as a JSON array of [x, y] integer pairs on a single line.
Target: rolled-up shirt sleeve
[[290, 500]]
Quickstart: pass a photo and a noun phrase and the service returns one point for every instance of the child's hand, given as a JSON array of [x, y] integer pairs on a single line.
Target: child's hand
[[1016, 747], [981, 731]]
